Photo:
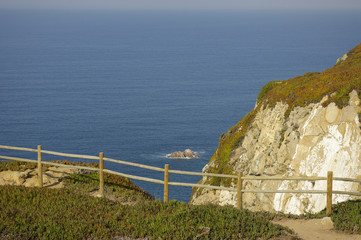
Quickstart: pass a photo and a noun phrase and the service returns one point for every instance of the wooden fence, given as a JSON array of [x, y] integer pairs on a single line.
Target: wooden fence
[[239, 187]]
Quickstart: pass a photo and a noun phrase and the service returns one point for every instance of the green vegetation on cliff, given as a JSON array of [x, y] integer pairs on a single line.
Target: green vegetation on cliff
[[336, 82], [227, 143], [346, 216], [42, 213], [69, 213]]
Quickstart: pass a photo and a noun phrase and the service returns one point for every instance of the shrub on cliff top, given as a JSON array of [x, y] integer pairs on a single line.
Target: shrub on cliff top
[[336, 82]]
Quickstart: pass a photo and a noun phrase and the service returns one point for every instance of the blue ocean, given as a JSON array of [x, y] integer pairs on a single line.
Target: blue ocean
[[138, 85]]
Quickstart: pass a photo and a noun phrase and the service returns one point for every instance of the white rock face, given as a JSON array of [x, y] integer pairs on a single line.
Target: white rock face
[[311, 142], [29, 177], [337, 149], [341, 59], [12, 177]]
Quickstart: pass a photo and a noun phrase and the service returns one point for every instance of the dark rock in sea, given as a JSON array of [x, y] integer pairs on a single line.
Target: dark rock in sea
[[176, 155], [188, 153]]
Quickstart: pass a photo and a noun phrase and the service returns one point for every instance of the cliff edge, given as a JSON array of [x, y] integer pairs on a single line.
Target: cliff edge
[[305, 126]]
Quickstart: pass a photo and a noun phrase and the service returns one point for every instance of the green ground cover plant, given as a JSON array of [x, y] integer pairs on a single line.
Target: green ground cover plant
[[40, 213], [16, 166], [71, 213], [346, 216], [336, 82], [120, 188]]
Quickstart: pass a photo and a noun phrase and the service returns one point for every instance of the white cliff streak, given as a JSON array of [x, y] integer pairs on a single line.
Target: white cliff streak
[[338, 150], [310, 142]]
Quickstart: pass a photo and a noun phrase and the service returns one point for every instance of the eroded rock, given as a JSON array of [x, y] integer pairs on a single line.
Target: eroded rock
[[310, 142], [188, 153], [29, 177]]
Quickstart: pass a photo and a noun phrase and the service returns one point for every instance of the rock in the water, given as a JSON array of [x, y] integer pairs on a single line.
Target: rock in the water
[[188, 153], [177, 154]]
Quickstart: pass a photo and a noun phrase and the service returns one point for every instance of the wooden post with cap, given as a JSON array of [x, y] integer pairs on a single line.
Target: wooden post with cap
[[239, 191], [101, 174], [40, 168], [329, 193], [166, 180]]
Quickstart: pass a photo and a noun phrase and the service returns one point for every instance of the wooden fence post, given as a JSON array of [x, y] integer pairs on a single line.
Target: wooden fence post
[[101, 174], [239, 191], [40, 168], [166, 180], [329, 193]]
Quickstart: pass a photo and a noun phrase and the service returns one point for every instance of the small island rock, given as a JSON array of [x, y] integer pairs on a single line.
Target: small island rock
[[188, 153], [178, 154]]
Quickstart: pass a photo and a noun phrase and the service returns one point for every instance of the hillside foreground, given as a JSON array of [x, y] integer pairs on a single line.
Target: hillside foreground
[[72, 210]]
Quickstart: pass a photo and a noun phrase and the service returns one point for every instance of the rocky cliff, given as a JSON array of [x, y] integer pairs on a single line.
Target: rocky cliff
[[305, 126]]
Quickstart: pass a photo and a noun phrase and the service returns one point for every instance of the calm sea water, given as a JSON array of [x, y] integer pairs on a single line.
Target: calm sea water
[[138, 85]]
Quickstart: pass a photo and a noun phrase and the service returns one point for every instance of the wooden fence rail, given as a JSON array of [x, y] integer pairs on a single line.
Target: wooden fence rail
[[238, 188]]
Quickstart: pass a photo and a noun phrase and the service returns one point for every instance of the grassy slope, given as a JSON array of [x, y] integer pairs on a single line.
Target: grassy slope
[[69, 213], [41, 213], [118, 188], [337, 82]]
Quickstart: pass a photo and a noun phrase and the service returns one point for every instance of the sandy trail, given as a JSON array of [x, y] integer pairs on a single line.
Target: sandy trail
[[319, 229]]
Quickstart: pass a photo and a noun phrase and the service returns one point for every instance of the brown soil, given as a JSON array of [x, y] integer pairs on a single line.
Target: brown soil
[[320, 229]]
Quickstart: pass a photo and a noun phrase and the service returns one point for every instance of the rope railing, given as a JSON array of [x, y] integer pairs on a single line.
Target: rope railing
[[134, 164], [237, 188]]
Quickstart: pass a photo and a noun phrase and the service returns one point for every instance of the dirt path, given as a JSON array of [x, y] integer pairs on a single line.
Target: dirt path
[[319, 229]]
